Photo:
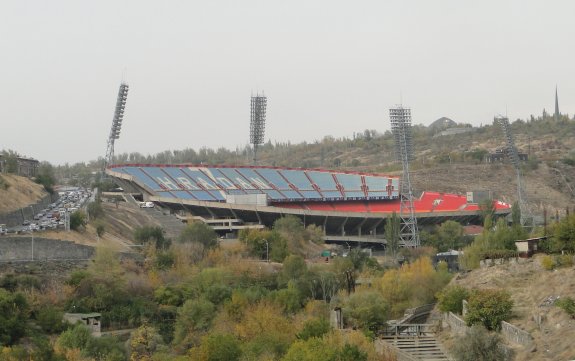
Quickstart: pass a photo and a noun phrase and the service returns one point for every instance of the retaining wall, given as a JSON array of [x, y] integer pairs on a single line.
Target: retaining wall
[[457, 325], [516, 335], [42, 249], [497, 261], [15, 218]]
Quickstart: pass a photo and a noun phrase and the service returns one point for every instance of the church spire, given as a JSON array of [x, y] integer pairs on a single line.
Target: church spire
[[556, 115]]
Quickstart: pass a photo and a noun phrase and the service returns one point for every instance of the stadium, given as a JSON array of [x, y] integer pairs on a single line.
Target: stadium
[[349, 206]]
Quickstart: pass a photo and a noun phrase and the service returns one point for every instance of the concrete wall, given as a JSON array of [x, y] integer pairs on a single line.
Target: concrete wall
[[493, 262], [20, 249], [516, 335], [16, 218], [457, 325]]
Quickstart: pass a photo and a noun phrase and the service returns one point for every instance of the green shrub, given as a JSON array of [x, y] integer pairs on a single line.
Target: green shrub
[[316, 327], [488, 307], [451, 299], [479, 344], [567, 304], [547, 262], [564, 260]]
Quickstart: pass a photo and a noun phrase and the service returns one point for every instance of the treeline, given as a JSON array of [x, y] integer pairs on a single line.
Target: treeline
[[368, 150], [197, 298]]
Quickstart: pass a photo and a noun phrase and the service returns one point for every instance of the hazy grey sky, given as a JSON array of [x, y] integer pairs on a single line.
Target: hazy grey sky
[[328, 67]]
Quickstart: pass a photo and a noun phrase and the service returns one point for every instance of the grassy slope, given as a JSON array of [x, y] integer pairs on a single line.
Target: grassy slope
[[529, 285], [20, 193]]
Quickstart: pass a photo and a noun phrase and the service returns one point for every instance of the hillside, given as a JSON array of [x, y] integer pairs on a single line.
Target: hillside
[[119, 226], [531, 287], [19, 192]]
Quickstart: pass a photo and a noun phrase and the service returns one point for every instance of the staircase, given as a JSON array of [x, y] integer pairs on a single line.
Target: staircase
[[413, 342], [170, 223], [412, 348]]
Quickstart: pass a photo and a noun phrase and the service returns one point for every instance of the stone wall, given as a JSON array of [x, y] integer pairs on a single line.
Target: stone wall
[[42, 249]]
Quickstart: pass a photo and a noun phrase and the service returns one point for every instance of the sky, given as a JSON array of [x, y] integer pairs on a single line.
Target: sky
[[328, 67]]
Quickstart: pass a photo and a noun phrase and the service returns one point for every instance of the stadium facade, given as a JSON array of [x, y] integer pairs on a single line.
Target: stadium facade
[[349, 206]]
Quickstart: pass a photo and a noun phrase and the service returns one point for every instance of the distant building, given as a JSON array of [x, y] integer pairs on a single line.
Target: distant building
[[501, 154], [527, 247], [25, 167], [453, 131], [91, 320]]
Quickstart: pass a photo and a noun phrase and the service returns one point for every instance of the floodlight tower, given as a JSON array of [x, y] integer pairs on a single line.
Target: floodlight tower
[[116, 124], [400, 118], [526, 216], [258, 121]]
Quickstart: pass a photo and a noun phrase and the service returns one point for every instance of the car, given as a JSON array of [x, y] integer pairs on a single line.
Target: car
[[146, 204]]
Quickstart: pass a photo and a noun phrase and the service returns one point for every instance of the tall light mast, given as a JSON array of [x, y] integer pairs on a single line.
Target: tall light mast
[[400, 118], [257, 122], [116, 124]]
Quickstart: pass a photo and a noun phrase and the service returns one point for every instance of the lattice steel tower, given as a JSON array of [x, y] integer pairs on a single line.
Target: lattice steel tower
[[400, 118], [116, 124], [526, 215], [257, 122]]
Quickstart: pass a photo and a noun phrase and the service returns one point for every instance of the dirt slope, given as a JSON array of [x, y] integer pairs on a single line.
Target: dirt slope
[[531, 288], [20, 193], [119, 226], [545, 186]]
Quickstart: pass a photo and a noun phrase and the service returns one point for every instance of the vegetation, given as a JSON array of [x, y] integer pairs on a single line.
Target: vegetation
[[488, 308], [77, 220], [567, 304], [450, 299], [479, 344]]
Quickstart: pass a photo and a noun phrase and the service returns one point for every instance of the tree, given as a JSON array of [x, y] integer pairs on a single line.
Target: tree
[[564, 235], [199, 232], [46, 177], [516, 214], [77, 220], [368, 311], [194, 317], [487, 208], [217, 347], [450, 234], [143, 343], [392, 230], [95, 210], [479, 344], [316, 327], [294, 267], [13, 316], [146, 234], [450, 299], [488, 307], [100, 228]]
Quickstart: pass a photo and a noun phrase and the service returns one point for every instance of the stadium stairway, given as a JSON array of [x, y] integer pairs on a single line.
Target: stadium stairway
[[170, 223]]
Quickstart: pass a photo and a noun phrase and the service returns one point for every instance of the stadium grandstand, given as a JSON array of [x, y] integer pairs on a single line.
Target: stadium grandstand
[[349, 206]]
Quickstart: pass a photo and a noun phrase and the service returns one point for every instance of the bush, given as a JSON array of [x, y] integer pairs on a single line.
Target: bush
[[564, 260], [488, 307], [451, 299], [316, 327], [566, 304], [100, 228], [77, 220], [547, 262], [478, 344]]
